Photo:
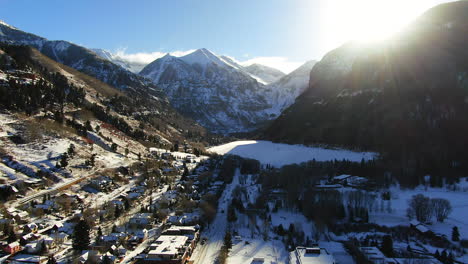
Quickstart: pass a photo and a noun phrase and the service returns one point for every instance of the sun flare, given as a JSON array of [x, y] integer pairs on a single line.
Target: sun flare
[[368, 20]]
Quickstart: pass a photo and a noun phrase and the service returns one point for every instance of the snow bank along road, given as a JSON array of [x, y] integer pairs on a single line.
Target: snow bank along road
[[277, 154]]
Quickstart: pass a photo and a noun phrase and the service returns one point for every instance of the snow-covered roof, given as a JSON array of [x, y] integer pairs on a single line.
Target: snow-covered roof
[[372, 253], [13, 244], [317, 255], [28, 258], [342, 177], [168, 245]]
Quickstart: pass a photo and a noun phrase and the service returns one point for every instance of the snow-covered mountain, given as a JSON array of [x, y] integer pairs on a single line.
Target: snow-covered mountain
[[214, 90], [282, 93], [264, 73], [223, 95], [79, 58], [132, 66]]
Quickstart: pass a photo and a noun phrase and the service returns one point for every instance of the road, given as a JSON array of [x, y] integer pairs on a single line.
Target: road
[[205, 254], [56, 188]]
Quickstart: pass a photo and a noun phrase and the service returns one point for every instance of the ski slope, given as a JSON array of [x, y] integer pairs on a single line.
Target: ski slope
[[277, 154]]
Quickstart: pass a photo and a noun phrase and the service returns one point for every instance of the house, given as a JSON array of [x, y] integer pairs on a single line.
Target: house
[[141, 221], [168, 249], [428, 260], [138, 237], [109, 256], [49, 241], [113, 238], [30, 228], [27, 259], [21, 217], [181, 230], [420, 227], [374, 255], [59, 237], [258, 260], [311, 255], [121, 251], [12, 248], [33, 247], [167, 156]]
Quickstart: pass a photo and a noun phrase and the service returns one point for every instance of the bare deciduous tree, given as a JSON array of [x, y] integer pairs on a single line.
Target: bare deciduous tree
[[420, 208], [442, 208]]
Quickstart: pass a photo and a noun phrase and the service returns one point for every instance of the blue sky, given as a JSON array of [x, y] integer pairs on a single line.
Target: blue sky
[[286, 32]]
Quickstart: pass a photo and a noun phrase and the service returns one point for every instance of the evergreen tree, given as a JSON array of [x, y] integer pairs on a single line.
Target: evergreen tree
[[455, 234], [117, 212], [64, 160], [387, 246], [51, 260], [114, 147], [71, 150], [106, 260], [281, 230], [99, 236], [91, 161], [88, 126], [443, 256], [44, 248], [81, 238], [231, 214], [228, 240], [11, 237]]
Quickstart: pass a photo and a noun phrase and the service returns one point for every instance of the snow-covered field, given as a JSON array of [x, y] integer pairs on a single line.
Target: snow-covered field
[[245, 250], [400, 198], [277, 154]]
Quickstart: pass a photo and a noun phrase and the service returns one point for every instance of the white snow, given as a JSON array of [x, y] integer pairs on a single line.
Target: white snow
[[400, 198], [277, 154], [202, 57]]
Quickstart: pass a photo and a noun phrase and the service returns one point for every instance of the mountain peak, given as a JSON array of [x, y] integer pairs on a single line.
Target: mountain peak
[[202, 56], [167, 56], [3, 23]]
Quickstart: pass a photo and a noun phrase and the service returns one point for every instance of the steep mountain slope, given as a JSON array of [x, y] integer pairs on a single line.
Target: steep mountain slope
[[78, 58], [407, 97], [266, 74], [134, 67], [282, 93], [213, 90], [55, 89]]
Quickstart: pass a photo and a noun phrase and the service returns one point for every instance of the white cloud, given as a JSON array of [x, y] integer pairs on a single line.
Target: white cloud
[[143, 58], [281, 63], [146, 57]]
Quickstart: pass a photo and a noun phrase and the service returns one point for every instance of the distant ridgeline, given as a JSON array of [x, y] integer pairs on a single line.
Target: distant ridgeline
[[406, 98]]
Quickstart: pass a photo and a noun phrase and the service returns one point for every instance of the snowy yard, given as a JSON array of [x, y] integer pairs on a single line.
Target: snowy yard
[[400, 198], [244, 251], [278, 155]]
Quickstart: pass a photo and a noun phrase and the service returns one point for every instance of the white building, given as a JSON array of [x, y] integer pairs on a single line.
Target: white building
[[374, 254], [311, 255], [168, 248]]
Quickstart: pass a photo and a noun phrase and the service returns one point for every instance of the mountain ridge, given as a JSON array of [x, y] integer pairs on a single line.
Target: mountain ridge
[[406, 98]]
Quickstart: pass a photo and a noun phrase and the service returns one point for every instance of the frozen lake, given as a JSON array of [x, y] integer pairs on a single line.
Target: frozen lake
[[278, 154]]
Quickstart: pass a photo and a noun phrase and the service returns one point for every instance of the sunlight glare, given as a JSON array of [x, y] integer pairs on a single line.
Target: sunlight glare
[[368, 20]]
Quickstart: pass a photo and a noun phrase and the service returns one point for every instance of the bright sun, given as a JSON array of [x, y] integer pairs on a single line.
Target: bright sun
[[368, 20]]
